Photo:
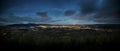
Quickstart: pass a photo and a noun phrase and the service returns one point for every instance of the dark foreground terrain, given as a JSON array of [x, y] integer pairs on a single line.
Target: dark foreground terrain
[[58, 39]]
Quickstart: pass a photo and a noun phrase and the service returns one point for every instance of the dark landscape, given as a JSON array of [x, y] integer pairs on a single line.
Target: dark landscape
[[32, 37], [59, 25]]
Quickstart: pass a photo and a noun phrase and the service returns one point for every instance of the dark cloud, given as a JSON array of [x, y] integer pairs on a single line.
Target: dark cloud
[[107, 20], [112, 8], [11, 18], [78, 17], [82, 17], [44, 16], [3, 20], [7, 4], [55, 20], [87, 6], [60, 3], [69, 12], [108, 11]]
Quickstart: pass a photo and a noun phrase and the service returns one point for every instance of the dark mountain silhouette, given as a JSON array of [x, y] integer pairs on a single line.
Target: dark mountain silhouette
[[104, 26]]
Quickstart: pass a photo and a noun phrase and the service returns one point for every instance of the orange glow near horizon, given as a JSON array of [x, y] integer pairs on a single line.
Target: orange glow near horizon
[[67, 27]]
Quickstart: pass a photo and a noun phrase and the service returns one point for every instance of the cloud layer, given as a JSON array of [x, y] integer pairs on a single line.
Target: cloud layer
[[44, 16], [50, 11], [103, 10], [69, 13]]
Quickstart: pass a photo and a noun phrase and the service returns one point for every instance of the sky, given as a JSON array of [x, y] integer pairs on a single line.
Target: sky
[[59, 12]]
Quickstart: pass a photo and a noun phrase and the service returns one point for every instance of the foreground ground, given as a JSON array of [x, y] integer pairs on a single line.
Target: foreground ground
[[59, 39]]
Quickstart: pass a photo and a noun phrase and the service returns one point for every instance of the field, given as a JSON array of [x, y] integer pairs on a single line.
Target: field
[[60, 39]]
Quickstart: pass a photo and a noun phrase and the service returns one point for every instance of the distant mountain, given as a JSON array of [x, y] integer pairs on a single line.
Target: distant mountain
[[105, 26]]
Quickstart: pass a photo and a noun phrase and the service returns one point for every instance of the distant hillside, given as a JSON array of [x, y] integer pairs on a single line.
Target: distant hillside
[[105, 26]]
